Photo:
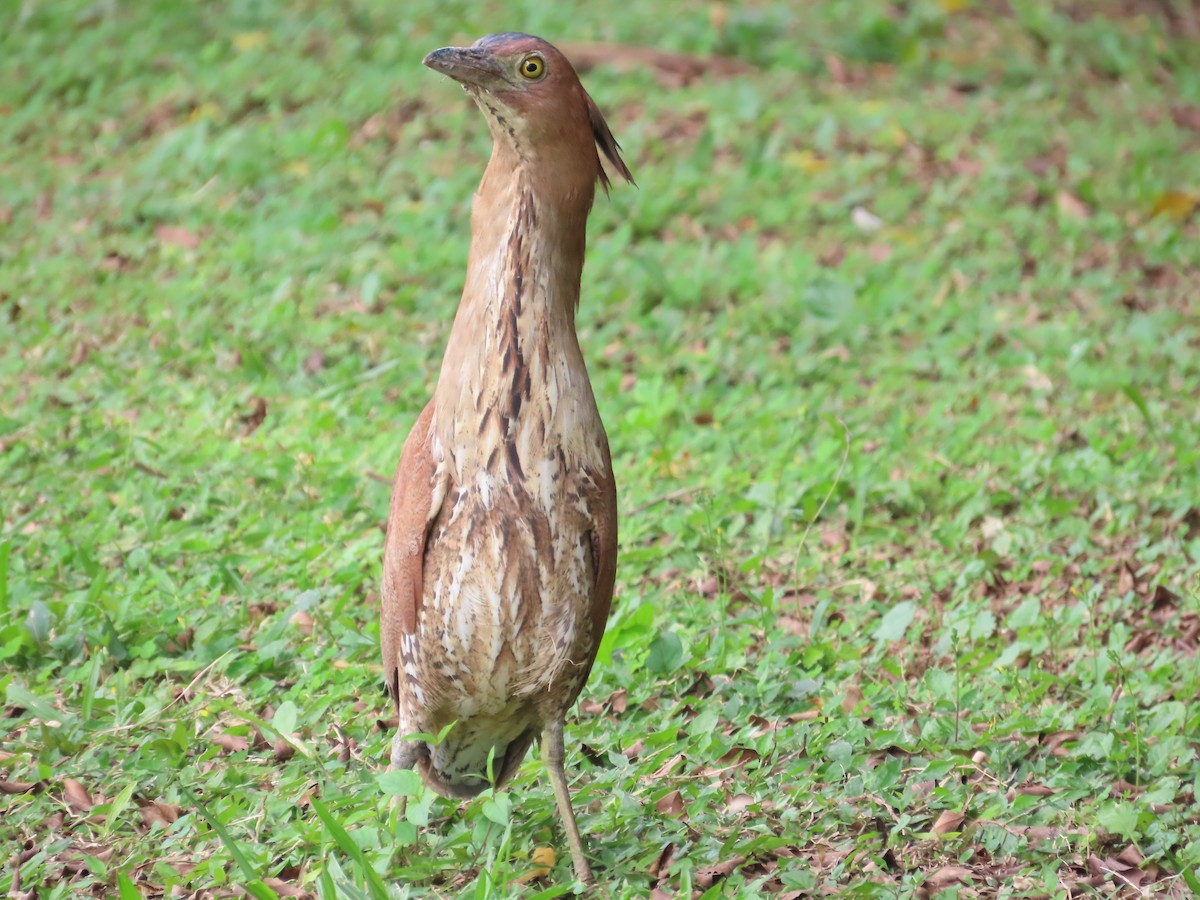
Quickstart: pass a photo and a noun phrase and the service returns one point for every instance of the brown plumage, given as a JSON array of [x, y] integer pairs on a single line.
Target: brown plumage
[[501, 547]]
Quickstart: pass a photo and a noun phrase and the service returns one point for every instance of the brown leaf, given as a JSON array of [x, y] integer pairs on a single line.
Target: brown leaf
[[543, 859], [1177, 205], [1070, 205], [1035, 790], [618, 701], [671, 804], [76, 795], [231, 743], [1187, 117], [949, 821], [303, 622], [286, 889], [161, 813], [177, 236], [736, 757], [659, 867], [1126, 578], [1131, 856], [947, 876], [738, 803], [851, 699], [255, 417], [704, 877], [18, 787], [283, 751], [666, 768]]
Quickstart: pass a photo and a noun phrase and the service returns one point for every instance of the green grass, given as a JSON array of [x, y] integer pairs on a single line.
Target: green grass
[[909, 587]]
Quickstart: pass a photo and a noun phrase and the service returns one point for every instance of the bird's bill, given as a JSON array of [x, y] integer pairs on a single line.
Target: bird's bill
[[469, 66]]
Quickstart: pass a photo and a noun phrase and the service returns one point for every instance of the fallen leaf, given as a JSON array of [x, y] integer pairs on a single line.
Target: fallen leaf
[[591, 707], [282, 750], [161, 813], [945, 877], [231, 743], [852, 697], [255, 417], [671, 804], [76, 795], [543, 859], [949, 821], [303, 622], [1070, 205], [286, 888], [18, 787], [738, 802], [659, 867], [1187, 117], [1176, 205], [704, 877], [738, 757]]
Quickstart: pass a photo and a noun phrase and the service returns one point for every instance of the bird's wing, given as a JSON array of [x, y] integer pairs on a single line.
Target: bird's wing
[[417, 494], [604, 543]]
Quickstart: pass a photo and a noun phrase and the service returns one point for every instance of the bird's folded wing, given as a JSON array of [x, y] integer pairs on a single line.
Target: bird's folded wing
[[603, 509], [416, 500]]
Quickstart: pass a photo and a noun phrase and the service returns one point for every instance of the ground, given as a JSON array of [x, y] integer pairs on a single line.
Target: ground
[[898, 346]]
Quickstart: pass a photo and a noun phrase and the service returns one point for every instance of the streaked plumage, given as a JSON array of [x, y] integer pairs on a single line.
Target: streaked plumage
[[501, 547]]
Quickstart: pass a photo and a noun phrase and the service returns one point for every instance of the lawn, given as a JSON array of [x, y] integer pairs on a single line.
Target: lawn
[[898, 347]]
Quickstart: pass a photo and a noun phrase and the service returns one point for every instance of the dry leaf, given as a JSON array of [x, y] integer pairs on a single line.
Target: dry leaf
[[1070, 205], [543, 859], [945, 877], [1177, 205], [231, 743], [303, 622], [285, 888], [161, 813], [949, 821], [738, 802], [255, 417], [659, 867], [17, 787], [76, 795], [851, 699], [671, 804], [738, 756], [705, 876]]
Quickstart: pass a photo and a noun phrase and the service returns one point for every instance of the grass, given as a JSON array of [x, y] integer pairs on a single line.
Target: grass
[[899, 353]]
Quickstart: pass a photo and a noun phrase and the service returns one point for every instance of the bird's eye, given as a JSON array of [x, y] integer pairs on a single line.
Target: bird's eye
[[533, 67]]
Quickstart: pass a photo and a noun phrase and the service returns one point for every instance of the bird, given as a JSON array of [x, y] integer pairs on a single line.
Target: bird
[[501, 550]]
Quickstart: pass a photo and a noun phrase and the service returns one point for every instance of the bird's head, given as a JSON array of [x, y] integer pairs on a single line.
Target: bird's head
[[533, 102]]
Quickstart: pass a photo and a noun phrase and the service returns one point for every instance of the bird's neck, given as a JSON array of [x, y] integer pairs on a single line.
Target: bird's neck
[[513, 353]]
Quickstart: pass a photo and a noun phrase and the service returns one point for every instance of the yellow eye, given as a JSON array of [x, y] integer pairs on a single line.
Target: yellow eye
[[532, 67]]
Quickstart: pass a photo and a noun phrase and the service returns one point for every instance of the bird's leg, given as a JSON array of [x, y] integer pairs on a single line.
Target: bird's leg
[[552, 756], [404, 756]]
